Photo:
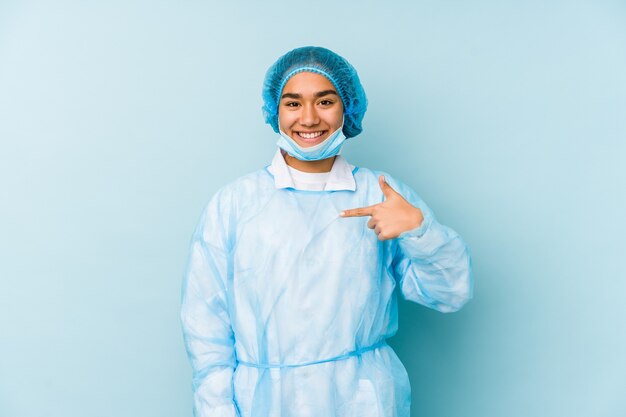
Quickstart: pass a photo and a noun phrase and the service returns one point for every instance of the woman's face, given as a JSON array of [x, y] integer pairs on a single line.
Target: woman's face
[[310, 109]]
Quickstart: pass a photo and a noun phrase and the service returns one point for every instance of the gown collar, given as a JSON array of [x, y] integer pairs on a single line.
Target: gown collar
[[340, 177]]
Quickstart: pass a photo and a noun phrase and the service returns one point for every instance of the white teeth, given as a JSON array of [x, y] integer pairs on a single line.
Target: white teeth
[[310, 135]]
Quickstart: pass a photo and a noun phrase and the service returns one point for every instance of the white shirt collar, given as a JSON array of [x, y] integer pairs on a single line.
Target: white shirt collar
[[339, 178]]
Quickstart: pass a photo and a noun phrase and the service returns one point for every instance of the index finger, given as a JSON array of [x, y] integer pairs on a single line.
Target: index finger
[[358, 212]]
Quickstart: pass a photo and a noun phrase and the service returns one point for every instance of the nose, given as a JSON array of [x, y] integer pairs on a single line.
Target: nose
[[309, 116]]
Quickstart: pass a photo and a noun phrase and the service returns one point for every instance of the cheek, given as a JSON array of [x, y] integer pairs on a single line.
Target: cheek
[[285, 120], [335, 118]]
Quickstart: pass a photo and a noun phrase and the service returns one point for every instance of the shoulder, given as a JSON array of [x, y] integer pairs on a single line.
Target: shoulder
[[368, 178], [221, 212], [240, 191], [252, 182]]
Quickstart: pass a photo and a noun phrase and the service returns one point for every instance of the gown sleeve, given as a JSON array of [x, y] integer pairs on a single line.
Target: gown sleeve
[[207, 331], [432, 263]]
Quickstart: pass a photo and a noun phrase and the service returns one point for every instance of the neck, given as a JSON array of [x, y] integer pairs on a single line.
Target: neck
[[323, 165]]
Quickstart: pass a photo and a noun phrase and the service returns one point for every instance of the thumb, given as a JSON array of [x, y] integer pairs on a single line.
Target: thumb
[[385, 187]]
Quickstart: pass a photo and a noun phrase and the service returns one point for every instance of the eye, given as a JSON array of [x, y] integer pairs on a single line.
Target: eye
[[326, 102], [292, 104]]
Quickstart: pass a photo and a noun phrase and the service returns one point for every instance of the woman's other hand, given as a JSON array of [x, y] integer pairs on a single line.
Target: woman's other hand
[[390, 218]]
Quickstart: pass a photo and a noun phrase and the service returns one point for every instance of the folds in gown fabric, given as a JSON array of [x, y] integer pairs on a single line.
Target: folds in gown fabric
[[286, 306]]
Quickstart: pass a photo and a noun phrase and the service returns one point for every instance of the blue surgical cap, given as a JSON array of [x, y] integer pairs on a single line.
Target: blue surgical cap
[[330, 65]]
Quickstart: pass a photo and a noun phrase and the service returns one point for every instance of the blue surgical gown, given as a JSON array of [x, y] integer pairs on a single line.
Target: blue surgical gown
[[286, 306]]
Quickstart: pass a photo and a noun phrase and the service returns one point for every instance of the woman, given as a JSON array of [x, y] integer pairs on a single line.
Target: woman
[[289, 296]]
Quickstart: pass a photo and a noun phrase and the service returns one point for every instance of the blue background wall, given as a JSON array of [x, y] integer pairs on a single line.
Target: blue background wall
[[118, 120]]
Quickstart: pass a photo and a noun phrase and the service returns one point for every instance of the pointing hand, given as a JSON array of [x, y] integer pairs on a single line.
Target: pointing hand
[[391, 217]]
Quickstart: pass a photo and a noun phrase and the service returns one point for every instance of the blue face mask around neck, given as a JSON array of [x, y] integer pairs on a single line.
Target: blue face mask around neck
[[326, 149]]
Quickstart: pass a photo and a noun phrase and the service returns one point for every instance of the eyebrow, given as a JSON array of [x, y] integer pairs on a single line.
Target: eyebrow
[[317, 95]]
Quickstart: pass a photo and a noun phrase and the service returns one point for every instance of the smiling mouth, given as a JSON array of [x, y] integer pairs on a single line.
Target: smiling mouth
[[310, 136]]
